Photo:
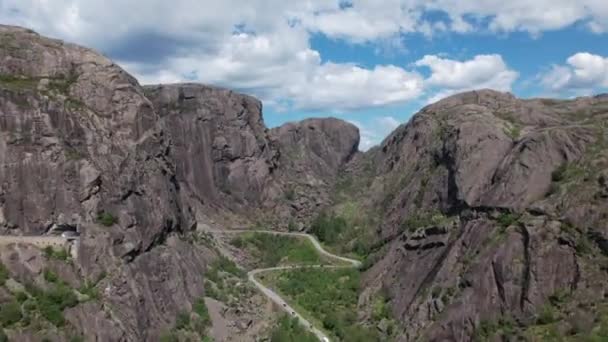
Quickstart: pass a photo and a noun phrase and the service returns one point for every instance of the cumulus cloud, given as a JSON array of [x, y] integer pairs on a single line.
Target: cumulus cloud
[[263, 46], [452, 76], [374, 131], [281, 66], [583, 71]]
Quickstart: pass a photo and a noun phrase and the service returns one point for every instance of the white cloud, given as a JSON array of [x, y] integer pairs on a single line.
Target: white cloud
[[282, 66], [534, 16], [451, 76], [263, 46], [374, 131], [583, 71]]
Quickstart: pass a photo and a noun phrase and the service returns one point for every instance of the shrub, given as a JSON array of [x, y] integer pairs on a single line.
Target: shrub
[[559, 174], [60, 254], [289, 330], [506, 220], [52, 302], [89, 289], [328, 228], [200, 309], [290, 194], [547, 315], [50, 276], [107, 219], [168, 336], [421, 220], [10, 313], [3, 337], [48, 251], [4, 275], [226, 265], [291, 226], [182, 321], [21, 296], [211, 292], [513, 131], [237, 242]]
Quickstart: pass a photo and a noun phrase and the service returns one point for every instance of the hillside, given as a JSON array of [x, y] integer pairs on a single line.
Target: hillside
[[139, 171], [485, 216], [489, 212]]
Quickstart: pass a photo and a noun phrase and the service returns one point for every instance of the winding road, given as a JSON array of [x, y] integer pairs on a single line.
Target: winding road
[[275, 297]]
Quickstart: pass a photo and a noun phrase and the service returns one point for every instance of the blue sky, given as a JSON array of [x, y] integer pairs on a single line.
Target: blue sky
[[374, 63]]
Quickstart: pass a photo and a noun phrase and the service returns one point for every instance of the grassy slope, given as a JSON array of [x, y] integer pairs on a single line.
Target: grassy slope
[[328, 297], [275, 250]]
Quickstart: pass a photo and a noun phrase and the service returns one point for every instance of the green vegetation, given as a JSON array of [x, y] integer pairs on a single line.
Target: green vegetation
[[225, 282], [62, 84], [16, 83], [547, 315], [327, 228], [200, 309], [381, 311], [425, 219], [169, 336], [513, 131], [289, 330], [223, 264], [566, 173], [89, 289], [505, 326], [182, 321], [187, 323], [347, 230], [290, 194], [506, 220], [583, 244], [10, 313], [50, 303], [272, 250], [555, 321], [4, 275], [291, 226], [107, 219], [328, 296], [50, 276], [59, 254], [72, 154]]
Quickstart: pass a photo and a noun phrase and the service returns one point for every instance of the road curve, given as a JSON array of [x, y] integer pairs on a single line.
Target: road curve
[[276, 298]]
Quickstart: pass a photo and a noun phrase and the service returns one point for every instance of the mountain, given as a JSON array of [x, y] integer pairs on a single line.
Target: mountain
[[490, 212], [483, 217], [137, 170]]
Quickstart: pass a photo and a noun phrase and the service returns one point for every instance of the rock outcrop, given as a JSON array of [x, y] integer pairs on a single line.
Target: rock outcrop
[[479, 215], [136, 170], [490, 208]]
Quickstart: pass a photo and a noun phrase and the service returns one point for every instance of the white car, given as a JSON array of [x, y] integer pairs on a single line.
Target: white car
[[70, 235]]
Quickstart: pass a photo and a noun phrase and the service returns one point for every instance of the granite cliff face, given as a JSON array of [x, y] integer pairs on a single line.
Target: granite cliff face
[[136, 169], [478, 216], [492, 210]]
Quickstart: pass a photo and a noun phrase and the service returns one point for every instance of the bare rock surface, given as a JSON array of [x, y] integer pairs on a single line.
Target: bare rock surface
[[84, 146], [482, 209], [510, 188]]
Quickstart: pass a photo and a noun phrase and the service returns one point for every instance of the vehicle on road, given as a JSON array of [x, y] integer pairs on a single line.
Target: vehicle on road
[[70, 235]]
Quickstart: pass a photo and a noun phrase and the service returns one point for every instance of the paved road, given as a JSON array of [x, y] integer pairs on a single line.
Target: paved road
[[40, 241], [276, 297]]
